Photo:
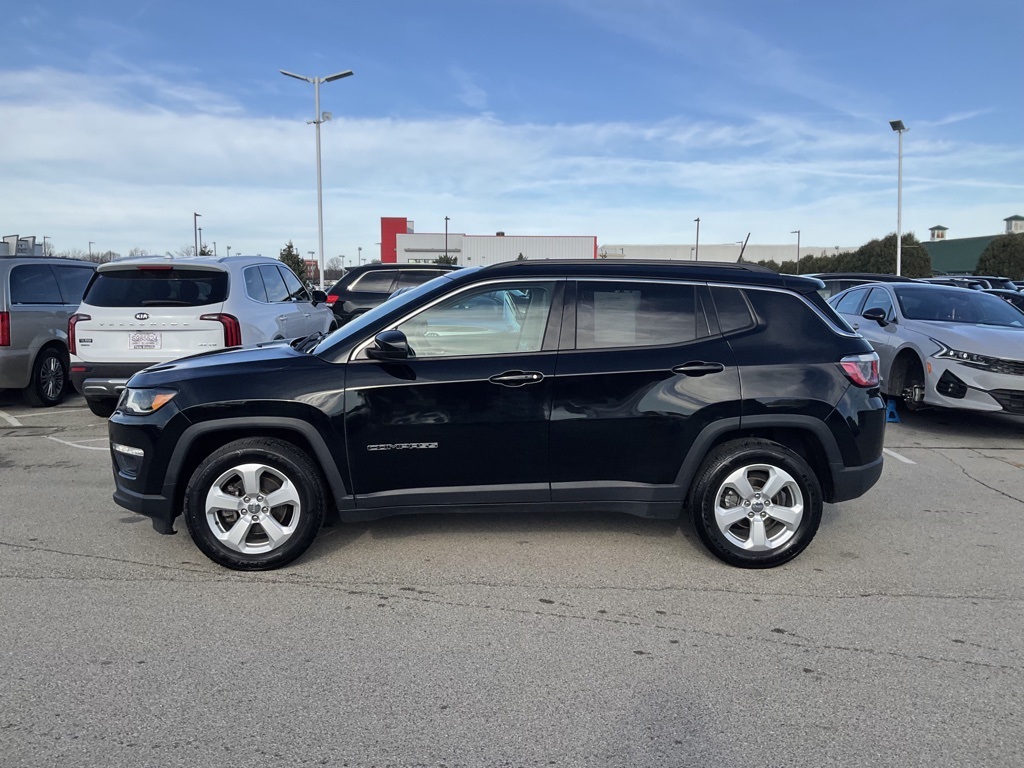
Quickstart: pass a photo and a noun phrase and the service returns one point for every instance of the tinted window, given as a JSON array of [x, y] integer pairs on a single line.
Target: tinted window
[[276, 289], [411, 277], [157, 287], [254, 287], [296, 290], [880, 298], [849, 303], [614, 314], [733, 310], [374, 281], [34, 284], [72, 281], [483, 321]]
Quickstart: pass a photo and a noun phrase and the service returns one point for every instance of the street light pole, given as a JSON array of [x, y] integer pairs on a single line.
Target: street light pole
[[797, 233], [215, 248], [195, 230], [696, 248], [200, 239], [446, 220], [319, 119], [359, 249], [899, 127], [229, 250], [45, 238], [91, 244]]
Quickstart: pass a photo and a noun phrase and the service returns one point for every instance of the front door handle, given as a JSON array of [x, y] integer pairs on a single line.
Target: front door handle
[[698, 368], [516, 378]]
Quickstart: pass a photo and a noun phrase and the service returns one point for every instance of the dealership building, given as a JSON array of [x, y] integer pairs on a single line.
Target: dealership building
[[400, 243]]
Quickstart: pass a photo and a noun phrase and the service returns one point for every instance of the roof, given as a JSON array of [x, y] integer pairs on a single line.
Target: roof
[[1015, 217], [938, 226], [957, 255], [710, 271]]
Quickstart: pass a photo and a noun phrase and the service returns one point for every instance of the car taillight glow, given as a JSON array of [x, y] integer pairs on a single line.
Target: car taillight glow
[[862, 370], [5, 329], [232, 329], [331, 298], [72, 341]]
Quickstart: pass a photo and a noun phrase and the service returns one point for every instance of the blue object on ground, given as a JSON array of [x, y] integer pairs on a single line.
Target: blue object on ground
[[890, 412]]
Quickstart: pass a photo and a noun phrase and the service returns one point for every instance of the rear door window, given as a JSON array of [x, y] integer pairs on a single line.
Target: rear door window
[[296, 291], [275, 285], [849, 303], [626, 314], [411, 277]]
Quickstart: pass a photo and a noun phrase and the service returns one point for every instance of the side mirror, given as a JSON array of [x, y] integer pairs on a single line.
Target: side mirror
[[389, 346], [877, 314], [319, 297]]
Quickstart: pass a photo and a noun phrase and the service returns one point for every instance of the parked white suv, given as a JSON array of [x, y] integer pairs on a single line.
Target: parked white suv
[[138, 312]]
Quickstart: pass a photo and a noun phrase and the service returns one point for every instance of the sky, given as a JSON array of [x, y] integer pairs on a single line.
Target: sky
[[621, 119]]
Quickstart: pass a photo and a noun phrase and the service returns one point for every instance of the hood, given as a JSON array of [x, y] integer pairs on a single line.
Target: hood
[[252, 359], [989, 340]]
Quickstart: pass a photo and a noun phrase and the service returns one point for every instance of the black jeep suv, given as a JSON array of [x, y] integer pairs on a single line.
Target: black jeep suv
[[728, 391]]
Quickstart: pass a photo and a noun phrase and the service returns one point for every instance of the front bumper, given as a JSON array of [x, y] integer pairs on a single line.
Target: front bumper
[[950, 384]]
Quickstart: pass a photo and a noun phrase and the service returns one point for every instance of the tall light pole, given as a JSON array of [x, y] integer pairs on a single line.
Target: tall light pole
[[797, 233], [215, 248], [696, 248], [899, 127], [200, 239], [229, 250], [446, 220], [359, 248], [45, 238], [91, 244], [320, 117], [195, 230]]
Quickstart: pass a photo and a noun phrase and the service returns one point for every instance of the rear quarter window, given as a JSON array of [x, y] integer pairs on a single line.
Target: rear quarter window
[[34, 284], [72, 282], [789, 330]]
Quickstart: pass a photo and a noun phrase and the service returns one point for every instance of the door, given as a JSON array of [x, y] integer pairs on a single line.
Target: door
[[288, 321], [645, 371], [465, 418]]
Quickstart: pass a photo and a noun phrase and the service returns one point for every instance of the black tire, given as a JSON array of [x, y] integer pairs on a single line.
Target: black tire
[[771, 531], [49, 382], [102, 407], [274, 467]]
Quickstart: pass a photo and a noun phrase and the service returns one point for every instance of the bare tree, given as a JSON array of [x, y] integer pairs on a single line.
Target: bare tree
[[138, 252]]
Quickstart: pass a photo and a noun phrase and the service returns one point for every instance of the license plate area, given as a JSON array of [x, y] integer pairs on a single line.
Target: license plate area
[[145, 340]]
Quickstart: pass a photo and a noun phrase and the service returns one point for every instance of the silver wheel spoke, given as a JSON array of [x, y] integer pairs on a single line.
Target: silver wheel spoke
[[777, 480], [739, 481], [218, 499], [235, 536], [758, 537], [274, 531], [788, 516], [286, 494], [251, 474], [728, 517]]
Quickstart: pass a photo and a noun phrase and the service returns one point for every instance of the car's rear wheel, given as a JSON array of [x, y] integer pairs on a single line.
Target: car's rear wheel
[[49, 382], [755, 503], [102, 406], [255, 504]]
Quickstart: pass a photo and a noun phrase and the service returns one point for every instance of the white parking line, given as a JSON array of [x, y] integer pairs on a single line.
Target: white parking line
[[86, 447], [895, 455], [10, 419]]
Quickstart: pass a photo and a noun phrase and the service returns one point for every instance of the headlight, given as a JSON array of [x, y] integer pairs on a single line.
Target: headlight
[[970, 358], [141, 402]]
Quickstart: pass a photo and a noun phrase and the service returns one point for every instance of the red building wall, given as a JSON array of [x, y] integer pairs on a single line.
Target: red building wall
[[390, 228]]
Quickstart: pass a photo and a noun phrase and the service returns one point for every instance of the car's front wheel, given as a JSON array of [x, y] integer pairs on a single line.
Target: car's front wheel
[[755, 503], [255, 504]]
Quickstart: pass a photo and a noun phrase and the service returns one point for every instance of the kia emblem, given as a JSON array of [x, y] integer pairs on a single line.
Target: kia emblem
[[141, 316]]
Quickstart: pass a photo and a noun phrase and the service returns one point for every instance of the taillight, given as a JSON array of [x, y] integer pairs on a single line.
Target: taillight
[[72, 341], [232, 330], [5, 329], [331, 298], [862, 370]]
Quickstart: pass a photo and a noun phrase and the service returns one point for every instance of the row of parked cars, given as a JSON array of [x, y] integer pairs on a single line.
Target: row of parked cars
[[951, 341], [65, 322]]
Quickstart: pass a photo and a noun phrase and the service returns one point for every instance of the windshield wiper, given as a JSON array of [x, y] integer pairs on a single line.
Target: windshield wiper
[[306, 343]]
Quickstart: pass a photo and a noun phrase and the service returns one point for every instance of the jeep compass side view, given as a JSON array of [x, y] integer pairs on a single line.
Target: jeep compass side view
[[723, 391]]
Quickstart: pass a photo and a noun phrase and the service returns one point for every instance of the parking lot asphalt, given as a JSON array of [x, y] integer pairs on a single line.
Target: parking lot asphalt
[[896, 638]]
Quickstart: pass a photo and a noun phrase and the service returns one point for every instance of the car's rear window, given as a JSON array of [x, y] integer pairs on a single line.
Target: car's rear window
[[143, 287]]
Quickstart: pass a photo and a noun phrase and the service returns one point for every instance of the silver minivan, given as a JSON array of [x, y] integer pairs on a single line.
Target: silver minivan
[[37, 296]]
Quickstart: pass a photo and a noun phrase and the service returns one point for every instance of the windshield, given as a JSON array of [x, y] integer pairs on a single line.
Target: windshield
[[355, 326], [957, 305]]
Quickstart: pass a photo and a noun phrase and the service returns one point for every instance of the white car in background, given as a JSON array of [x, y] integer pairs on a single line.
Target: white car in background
[[141, 311], [940, 345]]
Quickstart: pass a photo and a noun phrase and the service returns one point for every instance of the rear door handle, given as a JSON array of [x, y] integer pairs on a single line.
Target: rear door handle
[[698, 368], [516, 378]]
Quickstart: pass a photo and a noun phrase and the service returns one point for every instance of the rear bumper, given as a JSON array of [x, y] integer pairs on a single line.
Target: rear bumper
[[852, 482], [103, 380]]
